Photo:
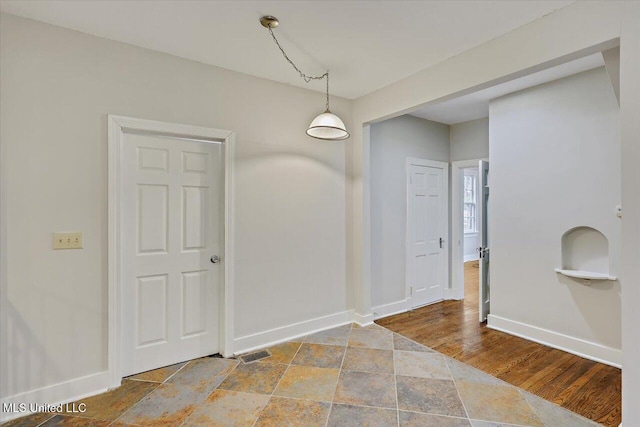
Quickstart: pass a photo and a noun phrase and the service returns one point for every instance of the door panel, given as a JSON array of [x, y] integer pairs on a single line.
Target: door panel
[[152, 218], [195, 217], [483, 237], [194, 162], [194, 296], [426, 227], [171, 227], [153, 159], [152, 310]]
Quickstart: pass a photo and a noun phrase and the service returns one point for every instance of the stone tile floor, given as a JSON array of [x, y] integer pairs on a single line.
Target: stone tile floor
[[342, 377]]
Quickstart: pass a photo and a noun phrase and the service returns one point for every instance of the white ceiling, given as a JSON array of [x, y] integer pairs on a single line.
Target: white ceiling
[[476, 105], [366, 44]]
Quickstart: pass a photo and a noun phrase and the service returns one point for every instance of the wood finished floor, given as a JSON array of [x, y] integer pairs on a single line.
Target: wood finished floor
[[588, 388]]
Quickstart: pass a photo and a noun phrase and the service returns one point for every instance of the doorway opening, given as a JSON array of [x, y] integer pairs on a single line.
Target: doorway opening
[[529, 215], [465, 190]]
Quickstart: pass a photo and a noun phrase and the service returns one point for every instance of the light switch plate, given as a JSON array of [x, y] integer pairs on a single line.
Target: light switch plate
[[72, 240]]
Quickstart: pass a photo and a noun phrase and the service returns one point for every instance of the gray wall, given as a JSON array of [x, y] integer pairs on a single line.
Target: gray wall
[[392, 141], [555, 164], [470, 140]]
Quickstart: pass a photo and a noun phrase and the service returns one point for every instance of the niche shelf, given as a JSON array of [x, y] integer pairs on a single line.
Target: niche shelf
[[589, 275], [585, 255]]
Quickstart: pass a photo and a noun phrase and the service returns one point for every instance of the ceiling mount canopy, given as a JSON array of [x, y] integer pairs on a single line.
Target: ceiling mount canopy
[[327, 125], [269, 21]]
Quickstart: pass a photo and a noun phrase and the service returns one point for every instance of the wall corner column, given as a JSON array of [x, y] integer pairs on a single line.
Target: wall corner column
[[361, 221], [630, 275]]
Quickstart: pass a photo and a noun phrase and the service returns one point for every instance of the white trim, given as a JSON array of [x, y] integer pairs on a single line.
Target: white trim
[[227, 300], [362, 265], [295, 330], [449, 295], [114, 260], [390, 309], [363, 319], [457, 227], [445, 196], [117, 125], [472, 257], [579, 347], [64, 392]]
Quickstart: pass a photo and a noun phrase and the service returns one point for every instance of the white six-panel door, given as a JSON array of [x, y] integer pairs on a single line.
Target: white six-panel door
[[427, 209], [171, 192]]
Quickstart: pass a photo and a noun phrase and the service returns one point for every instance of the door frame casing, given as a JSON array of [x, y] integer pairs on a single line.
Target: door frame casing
[[117, 126], [457, 226], [445, 195]]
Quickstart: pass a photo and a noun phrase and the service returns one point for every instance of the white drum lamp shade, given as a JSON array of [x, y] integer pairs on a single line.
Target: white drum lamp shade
[[328, 126]]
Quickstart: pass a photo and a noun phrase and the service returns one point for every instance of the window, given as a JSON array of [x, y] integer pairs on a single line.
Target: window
[[470, 199]]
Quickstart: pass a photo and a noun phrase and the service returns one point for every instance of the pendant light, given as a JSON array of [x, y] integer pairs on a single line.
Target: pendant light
[[326, 126]]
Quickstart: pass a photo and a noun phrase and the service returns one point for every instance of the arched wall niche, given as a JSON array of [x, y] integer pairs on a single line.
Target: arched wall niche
[[585, 248], [585, 254]]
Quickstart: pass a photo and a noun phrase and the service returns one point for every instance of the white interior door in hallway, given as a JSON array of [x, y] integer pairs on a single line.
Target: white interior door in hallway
[[172, 230], [484, 292], [427, 225]]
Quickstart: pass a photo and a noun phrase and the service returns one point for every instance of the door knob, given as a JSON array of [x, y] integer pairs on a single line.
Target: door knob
[[215, 259]]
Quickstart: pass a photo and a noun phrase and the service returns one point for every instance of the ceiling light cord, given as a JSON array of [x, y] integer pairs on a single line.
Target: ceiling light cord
[[326, 126], [305, 77]]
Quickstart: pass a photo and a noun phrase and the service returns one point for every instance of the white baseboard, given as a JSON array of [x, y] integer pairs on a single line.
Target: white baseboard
[[363, 320], [579, 347], [473, 257], [453, 294], [390, 309], [65, 392], [285, 333], [402, 306]]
